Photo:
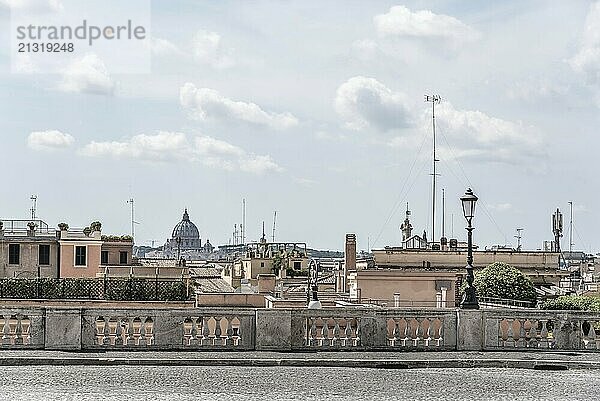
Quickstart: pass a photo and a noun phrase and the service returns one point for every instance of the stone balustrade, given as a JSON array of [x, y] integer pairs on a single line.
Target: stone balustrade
[[329, 329], [539, 330]]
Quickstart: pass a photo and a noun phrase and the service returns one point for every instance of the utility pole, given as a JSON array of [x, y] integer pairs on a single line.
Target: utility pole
[[518, 237], [34, 206], [433, 99]]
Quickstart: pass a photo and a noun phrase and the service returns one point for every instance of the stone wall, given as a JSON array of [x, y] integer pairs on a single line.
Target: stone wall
[[329, 329]]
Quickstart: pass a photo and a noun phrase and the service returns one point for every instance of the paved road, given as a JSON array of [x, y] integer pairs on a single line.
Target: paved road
[[539, 360], [92, 383]]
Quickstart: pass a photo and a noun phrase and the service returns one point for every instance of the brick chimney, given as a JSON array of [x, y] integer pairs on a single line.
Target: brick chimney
[[349, 258]]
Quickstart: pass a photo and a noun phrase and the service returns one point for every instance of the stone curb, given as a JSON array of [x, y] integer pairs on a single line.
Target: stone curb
[[539, 364]]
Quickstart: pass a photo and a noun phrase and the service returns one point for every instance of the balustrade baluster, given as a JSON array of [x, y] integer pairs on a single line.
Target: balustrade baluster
[[533, 334], [229, 331], [218, 330], [142, 341], [440, 333], [510, 336], [18, 340], [324, 339], [12, 324], [544, 343], [120, 331], [418, 332], [112, 330], [335, 340], [205, 331], [395, 332], [347, 340], [189, 331], [406, 333], [429, 331], [522, 340], [5, 330], [26, 326], [149, 330], [358, 333]]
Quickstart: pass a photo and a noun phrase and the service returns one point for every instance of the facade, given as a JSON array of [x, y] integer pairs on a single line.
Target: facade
[[31, 249], [28, 249], [267, 258]]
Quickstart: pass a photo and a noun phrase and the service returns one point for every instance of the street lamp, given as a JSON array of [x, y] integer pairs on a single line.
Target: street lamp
[[313, 275], [469, 300]]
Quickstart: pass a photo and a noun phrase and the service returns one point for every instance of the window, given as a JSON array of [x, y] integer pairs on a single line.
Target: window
[[80, 256], [297, 265], [14, 254], [104, 257], [262, 264], [123, 257], [44, 255]]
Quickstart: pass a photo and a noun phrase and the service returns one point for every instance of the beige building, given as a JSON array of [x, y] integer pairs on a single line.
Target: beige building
[[266, 258], [28, 248]]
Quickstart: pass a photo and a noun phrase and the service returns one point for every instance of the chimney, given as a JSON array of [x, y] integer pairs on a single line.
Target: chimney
[[349, 257]]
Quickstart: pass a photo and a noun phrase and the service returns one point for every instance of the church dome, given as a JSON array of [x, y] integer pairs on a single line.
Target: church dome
[[185, 229]]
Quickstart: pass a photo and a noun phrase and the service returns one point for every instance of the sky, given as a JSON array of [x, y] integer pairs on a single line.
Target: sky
[[315, 110]]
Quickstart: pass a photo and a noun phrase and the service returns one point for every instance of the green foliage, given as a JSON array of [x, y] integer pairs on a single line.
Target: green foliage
[[500, 280], [573, 302], [95, 226]]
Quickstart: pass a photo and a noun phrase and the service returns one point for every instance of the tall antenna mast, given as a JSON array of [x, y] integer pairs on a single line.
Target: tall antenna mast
[[518, 237], [274, 222], [433, 99], [133, 222], [243, 225], [34, 206], [571, 229], [443, 212]]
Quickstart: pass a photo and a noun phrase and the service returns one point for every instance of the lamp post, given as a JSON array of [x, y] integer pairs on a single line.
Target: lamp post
[[469, 299], [313, 275]]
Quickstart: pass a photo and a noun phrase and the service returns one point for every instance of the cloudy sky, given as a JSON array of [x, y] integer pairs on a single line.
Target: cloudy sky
[[316, 110]]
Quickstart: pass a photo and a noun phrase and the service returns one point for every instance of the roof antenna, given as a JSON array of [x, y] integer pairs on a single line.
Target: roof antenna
[[433, 99], [274, 222], [34, 206]]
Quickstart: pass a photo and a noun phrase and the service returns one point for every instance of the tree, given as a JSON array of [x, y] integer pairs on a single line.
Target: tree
[[500, 280]]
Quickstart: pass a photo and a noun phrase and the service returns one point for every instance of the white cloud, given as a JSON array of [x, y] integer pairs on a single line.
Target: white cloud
[[87, 75], [33, 6], [535, 89], [365, 102], [207, 48], [587, 60], [402, 22], [49, 140], [208, 104], [473, 134], [173, 146], [163, 47]]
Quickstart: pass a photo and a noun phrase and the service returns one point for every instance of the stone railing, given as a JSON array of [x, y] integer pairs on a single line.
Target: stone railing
[[184, 329], [539, 330], [328, 329]]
